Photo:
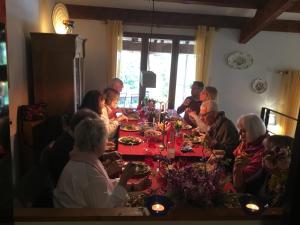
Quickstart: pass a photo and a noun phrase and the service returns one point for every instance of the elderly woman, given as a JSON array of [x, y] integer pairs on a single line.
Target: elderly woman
[[108, 116], [84, 182], [248, 155]]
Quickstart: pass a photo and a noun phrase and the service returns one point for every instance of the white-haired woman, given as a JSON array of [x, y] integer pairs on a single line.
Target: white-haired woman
[[248, 155], [84, 182]]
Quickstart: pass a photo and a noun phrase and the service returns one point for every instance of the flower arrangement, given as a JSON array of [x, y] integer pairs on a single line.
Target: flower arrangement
[[196, 184], [178, 125]]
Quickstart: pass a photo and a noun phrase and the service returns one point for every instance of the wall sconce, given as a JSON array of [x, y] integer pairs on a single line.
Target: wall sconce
[[60, 19], [158, 205]]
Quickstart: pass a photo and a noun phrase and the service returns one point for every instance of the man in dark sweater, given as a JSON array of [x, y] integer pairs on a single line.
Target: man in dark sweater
[[191, 103], [222, 133]]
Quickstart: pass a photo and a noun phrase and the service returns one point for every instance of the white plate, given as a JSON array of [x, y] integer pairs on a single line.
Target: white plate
[[239, 60]]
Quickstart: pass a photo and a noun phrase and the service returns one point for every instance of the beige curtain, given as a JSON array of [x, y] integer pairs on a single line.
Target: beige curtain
[[204, 40], [289, 101], [114, 48]]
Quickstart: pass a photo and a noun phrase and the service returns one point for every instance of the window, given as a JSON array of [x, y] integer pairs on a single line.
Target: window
[[170, 57], [130, 71], [186, 71]]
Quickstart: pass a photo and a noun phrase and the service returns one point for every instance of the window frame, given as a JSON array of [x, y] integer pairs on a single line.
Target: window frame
[[174, 59]]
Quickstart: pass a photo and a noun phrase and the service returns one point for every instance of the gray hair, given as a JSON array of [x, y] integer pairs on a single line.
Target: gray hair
[[212, 92], [253, 125], [116, 80], [211, 106], [90, 135]]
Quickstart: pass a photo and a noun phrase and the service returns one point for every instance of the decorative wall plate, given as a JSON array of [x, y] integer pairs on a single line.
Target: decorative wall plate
[[259, 85], [239, 60]]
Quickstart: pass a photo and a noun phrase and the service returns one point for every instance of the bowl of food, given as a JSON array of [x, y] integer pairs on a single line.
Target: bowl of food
[[130, 140], [129, 127], [152, 134]]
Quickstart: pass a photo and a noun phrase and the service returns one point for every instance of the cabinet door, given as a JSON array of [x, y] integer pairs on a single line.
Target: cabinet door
[[53, 78]]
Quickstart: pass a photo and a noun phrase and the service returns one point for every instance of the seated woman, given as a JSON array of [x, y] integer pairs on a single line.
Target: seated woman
[[111, 97], [248, 155], [276, 162], [59, 154], [84, 182], [93, 100], [208, 93]]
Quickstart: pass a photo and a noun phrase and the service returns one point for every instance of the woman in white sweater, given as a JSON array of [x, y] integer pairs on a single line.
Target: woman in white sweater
[[108, 115], [84, 182]]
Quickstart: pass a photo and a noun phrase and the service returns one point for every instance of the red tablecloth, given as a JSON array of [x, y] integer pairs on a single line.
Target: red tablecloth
[[153, 148]]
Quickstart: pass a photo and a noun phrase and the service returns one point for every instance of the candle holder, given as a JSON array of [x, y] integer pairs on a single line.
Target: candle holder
[[158, 205], [252, 205]]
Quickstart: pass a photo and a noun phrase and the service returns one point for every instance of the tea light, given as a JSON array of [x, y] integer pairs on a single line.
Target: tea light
[[252, 207], [158, 207]]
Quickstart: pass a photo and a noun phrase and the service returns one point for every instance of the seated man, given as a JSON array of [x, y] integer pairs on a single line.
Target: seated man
[[191, 103], [208, 93], [222, 133], [117, 84]]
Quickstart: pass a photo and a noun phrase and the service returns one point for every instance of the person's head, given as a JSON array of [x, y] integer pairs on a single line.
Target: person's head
[[208, 112], [91, 136], [117, 84], [111, 97], [251, 127], [208, 93], [81, 115], [196, 88], [93, 100], [277, 153]]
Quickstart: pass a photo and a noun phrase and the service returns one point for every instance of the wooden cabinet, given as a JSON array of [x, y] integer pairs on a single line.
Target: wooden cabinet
[[57, 72]]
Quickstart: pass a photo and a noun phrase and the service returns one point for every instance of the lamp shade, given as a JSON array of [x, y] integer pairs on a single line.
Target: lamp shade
[[59, 15], [148, 79]]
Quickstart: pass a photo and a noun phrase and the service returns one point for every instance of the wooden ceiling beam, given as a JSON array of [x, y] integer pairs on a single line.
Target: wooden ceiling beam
[[263, 17], [140, 17], [247, 4], [131, 16]]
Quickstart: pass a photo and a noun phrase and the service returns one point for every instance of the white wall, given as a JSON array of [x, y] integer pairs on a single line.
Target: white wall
[[95, 58], [23, 16], [271, 51]]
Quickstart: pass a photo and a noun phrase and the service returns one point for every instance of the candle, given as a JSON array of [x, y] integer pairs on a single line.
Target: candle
[[158, 207], [252, 207], [153, 119]]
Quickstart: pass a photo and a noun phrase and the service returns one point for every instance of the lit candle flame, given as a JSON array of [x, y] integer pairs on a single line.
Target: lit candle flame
[[158, 207], [252, 207]]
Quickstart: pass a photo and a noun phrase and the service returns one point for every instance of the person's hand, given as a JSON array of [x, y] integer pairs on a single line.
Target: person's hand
[[110, 146], [241, 161], [211, 142], [187, 102], [112, 156], [142, 185], [122, 118], [128, 172], [193, 115], [114, 168]]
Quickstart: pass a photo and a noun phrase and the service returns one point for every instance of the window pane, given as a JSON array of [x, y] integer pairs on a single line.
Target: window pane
[[186, 70], [160, 63], [130, 71]]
